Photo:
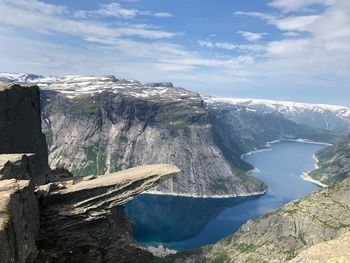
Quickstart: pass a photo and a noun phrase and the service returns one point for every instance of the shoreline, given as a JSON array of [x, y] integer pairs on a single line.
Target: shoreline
[[306, 175], [268, 145], [153, 192]]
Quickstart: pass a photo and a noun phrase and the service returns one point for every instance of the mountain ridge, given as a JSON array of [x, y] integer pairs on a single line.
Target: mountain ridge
[[97, 125]]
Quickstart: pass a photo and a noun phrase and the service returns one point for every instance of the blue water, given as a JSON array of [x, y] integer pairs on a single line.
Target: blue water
[[185, 223]]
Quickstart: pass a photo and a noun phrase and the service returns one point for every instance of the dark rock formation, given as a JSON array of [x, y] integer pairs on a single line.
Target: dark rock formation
[[20, 128], [19, 221]]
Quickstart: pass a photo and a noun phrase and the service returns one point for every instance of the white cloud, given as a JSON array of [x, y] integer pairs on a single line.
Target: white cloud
[[163, 14], [314, 50], [260, 15], [294, 5], [289, 23], [291, 34], [36, 6], [40, 20], [295, 23], [250, 36], [230, 46], [117, 10]]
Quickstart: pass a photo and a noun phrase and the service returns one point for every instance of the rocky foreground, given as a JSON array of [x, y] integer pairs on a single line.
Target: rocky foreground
[[50, 216], [295, 232], [77, 220]]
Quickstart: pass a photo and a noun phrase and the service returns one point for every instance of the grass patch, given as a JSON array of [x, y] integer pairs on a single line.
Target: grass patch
[[245, 248], [218, 186], [8, 222], [123, 139], [221, 258]]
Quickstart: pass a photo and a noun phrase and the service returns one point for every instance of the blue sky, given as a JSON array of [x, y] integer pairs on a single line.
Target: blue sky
[[275, 49]]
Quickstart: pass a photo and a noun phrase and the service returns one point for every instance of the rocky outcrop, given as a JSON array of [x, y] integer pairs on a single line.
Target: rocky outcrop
[[69, 219], [333, 163], [335, 250], [281, 235], [83, 219], [19, 221], [20, 128]]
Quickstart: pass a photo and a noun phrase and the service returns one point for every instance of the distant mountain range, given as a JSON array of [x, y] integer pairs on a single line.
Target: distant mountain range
[[101, 124], [331, 117]]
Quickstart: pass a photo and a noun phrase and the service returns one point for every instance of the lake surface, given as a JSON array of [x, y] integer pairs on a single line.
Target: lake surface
[[185, 223]]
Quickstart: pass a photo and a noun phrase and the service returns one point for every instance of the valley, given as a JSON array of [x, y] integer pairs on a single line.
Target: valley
[[186, 223], [228, 177]]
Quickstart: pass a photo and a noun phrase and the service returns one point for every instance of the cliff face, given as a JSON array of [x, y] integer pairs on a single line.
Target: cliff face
[[19, 215], [334, 163], [107, 132], [281, 235], [20, 128], [102, 125], [67, 220]]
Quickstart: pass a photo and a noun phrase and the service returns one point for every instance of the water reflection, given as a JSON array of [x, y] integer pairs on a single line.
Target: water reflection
[[185, 223], [170, 218]]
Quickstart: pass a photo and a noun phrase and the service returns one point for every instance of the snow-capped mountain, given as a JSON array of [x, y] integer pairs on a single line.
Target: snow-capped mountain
[[102, 124], [74, 85], [331, 117]]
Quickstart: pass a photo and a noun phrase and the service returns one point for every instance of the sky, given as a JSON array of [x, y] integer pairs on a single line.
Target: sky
[[296, 50]]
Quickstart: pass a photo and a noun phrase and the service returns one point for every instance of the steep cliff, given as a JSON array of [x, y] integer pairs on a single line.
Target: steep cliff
[[281, 235], [102, 124], [107, 132], [333, 163], [20, 128], [69, 219], [97, 125], [19, 217]]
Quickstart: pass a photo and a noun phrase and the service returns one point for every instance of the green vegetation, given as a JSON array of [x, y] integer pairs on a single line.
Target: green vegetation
[[222, 257], [182, 115], [290, 255], [218, 186], [7, 223], [245, 248], [49, 138], [123, 139], [302, 239], [95, 160], [261, 186], [86, 104]]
